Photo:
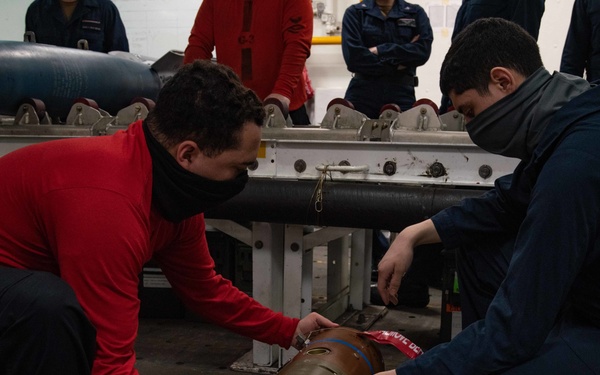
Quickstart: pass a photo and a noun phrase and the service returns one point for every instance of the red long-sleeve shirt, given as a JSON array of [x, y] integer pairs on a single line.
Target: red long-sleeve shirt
[[266, 43], [81, 209]]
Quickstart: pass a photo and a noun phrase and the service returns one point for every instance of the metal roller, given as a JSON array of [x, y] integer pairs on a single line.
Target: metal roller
[[428, 102]]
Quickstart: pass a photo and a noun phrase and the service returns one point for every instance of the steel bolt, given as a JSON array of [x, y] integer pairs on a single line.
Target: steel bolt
[[389, 168], [437, 169], [300, 165], [485, 171]]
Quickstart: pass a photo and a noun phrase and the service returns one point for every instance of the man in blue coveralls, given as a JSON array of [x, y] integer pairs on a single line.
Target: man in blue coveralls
[[528, 251], [383, 42], [65, 22]]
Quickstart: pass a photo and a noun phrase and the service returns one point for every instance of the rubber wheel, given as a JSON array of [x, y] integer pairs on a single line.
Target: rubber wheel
[[149, 103], [279, 104], [392, 106], [340, 101], [429, 102], [38, 106], [89, 102]]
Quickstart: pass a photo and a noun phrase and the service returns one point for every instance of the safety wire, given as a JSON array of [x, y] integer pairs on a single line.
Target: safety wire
[[318, 193]]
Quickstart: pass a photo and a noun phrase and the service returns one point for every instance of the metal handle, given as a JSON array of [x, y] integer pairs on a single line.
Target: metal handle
[[342, 168]]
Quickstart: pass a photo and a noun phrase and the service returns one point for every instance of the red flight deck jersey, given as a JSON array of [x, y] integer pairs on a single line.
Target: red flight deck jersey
[[265, 42], [81, 209]]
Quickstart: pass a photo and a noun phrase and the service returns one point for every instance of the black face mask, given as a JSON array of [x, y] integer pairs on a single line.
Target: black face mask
[[179, 194], [513, 126]]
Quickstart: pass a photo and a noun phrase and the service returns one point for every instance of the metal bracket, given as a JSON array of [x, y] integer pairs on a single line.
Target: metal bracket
[[134, 112], [102, 125], [275, 118], [376, 130], [339, 116], [420, 118], [28, 115], [452, 121]]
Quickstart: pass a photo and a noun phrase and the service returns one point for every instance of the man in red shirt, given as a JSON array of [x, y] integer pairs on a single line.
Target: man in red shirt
[[265, 42], [80, 217]]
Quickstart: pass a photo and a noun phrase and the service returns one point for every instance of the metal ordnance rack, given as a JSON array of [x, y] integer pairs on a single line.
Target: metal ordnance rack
[[319, 185]]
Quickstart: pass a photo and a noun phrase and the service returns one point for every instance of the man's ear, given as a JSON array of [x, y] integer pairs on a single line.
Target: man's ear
[[185, 153], [504, 79]]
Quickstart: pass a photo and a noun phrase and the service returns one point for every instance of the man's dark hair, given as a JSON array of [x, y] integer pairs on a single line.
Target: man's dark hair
[[483, 45], [206, 103]]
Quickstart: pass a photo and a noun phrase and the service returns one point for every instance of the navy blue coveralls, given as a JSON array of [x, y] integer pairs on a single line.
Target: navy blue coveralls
[[526, 13], [582, 47], [377, 79], [529, 260], [97, 21]]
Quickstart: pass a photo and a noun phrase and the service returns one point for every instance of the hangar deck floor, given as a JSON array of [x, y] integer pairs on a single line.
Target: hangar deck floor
[[181, 347], [190, 346]]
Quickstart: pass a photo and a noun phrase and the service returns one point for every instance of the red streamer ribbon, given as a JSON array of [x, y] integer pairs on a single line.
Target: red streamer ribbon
[[403, 344]]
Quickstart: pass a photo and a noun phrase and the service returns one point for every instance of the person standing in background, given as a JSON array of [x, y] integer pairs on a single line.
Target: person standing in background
[[383, 43], [526, 13], [582, 47], [265, 42], [65, 22]]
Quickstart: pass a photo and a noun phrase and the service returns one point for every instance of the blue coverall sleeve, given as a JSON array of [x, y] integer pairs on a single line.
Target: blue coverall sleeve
[[116, 36], [528, 13], [474, 220], [577, 45], [356, 54], [29, 17], [555, 239], [411, 54]]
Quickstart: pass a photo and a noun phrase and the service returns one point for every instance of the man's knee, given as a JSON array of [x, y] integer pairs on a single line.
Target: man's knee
[[43, 298], [43, 326]]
